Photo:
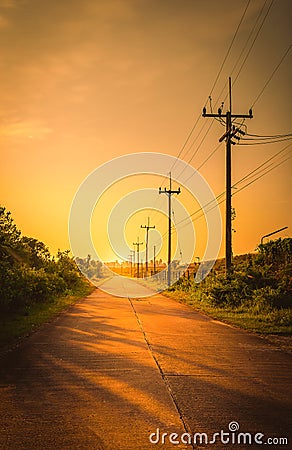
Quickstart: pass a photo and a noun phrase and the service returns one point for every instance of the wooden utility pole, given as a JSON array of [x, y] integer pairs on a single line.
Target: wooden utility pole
[[147, 232], [138, 250], [169, 192], [230, 132]]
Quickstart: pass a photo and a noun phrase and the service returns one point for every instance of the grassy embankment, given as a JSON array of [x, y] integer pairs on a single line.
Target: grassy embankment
[[256, 297]]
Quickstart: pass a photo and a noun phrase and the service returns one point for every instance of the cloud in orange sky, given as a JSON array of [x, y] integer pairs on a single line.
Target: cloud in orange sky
[[85, 83]]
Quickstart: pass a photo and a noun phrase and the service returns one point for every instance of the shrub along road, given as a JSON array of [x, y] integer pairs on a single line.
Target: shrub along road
[[110, 371]]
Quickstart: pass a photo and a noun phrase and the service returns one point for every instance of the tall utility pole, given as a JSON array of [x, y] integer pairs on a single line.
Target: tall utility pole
[[138, 249], [169, 192], [230, 132], [147, 232]]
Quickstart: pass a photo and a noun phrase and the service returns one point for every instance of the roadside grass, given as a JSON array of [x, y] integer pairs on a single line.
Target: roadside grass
[[276, 321], [14, 325], [255, 296]]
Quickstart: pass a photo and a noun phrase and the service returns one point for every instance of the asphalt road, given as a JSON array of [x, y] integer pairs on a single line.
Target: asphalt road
[[127, 287], [111, 371]]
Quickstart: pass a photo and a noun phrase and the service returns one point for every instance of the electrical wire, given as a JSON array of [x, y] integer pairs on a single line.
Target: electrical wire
[[271, 76], [222, 65], [277, 138], [254, 41], [248, 38], [263, 143], [229, 48], [203, 211], [200, 144], [269, 137], [213, 87], [178, 241], [274, 167], [261, 165], [204, 162], [250, 48], [255, 172]]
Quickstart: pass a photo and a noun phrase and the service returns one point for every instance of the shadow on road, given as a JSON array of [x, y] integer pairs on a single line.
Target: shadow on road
[[93, 379]]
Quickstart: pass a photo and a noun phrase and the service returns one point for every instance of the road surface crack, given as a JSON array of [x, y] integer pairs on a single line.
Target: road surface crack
[[163, 375]]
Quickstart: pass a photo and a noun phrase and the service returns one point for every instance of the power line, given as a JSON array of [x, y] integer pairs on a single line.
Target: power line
[[196, 138], [242, 51], [254, 40], [214, 84], [272, 74], [265, 173], [261, 165], [203, 211], [263, 143], [277, 138], [268, 136], [179, 247], [255, 171], [230, 46], [204, 162], [186, 141], [213, 87], [198, 148], [249, 37], [202, 208], [220, 70]]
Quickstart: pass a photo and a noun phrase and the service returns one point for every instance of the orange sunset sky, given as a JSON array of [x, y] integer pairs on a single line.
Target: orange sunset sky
[[86, 81]]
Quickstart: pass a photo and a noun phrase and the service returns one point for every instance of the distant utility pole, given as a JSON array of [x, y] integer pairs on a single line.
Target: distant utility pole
[[147, 232], [131, 263], [154, 259], [138, 249], [169, 192], [230, 132]]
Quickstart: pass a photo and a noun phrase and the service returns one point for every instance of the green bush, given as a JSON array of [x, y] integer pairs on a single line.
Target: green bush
[[259, 282], [223, 291], [28, 272]]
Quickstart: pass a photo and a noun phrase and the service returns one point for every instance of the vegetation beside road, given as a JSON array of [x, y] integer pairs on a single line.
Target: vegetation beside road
[[257, 296], [34, 286]]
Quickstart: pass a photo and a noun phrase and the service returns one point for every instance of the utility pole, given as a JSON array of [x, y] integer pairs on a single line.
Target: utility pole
[[230, 132], [154, 259], [131, 262], [147, 232], [169, 192], [138, 249], [133, 252]]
